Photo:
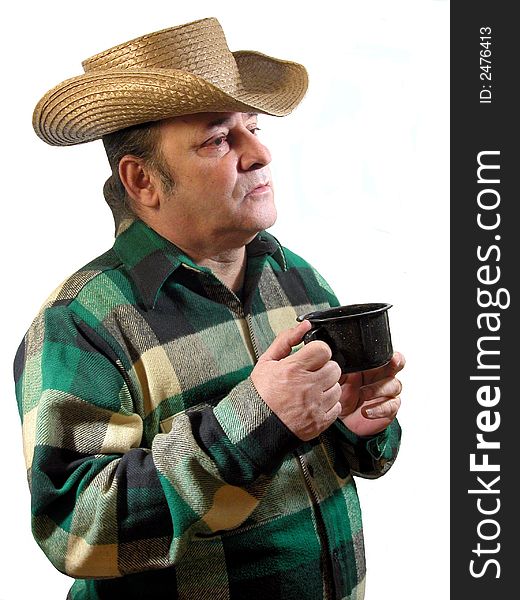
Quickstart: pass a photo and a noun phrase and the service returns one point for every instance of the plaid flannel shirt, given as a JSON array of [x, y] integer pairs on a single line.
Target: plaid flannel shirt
[[155, 468]]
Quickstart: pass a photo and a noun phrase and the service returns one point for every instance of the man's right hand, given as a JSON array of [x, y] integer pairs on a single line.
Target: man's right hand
[[303, 388]]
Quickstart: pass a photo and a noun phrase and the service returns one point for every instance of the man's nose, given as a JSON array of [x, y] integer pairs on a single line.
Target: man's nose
[[254, 155]]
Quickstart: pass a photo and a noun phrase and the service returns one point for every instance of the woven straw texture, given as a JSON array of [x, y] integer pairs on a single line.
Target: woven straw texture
[[177, 71]]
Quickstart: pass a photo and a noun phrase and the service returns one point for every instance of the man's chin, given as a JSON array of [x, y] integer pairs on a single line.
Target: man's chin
[[258, 217], [267, 221]]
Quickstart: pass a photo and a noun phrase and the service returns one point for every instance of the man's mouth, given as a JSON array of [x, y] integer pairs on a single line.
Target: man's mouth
[[260, 188]]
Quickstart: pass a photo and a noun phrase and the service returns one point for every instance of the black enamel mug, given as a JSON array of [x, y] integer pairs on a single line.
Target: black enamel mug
[[358, 334]]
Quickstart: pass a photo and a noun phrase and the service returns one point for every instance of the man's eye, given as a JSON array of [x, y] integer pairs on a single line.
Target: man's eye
[[216, 142], [253, 130]]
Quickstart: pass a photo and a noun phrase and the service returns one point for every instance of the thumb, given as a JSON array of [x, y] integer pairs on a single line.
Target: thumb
[[284, 342]]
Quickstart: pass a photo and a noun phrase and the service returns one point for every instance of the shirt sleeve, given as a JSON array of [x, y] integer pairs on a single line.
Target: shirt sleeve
[[370, 457], [103, 505]]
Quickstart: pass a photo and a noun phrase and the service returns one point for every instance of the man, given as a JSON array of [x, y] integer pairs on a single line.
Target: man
[[178, 442]]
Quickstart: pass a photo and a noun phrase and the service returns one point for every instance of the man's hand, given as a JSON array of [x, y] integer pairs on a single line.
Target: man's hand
[[303, 388], [370, 399]]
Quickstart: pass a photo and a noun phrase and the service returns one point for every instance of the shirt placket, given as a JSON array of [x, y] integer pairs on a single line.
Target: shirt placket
[[218, 292]]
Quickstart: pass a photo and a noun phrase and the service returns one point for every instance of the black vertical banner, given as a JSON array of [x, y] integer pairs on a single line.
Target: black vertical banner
[[485, 330]]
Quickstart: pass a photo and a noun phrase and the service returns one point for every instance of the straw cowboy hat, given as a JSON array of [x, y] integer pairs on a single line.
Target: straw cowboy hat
[[177, 71]]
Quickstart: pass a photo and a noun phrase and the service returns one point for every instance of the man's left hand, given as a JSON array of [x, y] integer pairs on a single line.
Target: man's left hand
[[370, 399]]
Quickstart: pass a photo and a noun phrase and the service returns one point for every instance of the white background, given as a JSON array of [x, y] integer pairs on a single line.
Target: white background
[[361, 175]]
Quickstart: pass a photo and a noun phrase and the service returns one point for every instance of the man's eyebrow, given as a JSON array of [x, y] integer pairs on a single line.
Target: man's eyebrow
[[224, 120]]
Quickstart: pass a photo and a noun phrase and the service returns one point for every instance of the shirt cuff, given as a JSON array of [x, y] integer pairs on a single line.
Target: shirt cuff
[[254, 428], [375, 444]]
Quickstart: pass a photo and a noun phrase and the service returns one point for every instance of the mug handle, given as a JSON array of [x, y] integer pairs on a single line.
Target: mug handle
[[311, 335]]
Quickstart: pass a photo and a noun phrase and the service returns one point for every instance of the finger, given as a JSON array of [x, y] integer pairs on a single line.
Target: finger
[[386, 409], [396, 363], [349, 400], [330, 397], [350, 392], [283, 343], [333, 413], [329, 374], [312, 356], [390, 387], [354, 380]]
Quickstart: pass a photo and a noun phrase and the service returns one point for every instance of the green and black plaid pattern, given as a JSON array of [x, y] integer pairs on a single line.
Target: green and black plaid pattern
[[155, 468]]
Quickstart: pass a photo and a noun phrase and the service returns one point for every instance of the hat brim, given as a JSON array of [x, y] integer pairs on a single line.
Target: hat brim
[[86, 107]]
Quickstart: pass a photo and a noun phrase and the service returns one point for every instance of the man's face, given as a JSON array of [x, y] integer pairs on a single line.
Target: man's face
[[222, 194]]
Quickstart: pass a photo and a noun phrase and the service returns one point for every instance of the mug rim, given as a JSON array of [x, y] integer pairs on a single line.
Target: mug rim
[[316, 316]]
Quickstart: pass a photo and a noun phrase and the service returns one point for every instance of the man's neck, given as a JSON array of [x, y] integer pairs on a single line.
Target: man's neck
[[228, 266], [226, 257]]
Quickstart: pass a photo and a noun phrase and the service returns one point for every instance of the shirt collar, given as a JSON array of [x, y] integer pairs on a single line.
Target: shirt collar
[[150, 259]]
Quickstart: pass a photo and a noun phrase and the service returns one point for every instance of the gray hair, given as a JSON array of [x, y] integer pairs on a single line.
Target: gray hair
[[141, 141]]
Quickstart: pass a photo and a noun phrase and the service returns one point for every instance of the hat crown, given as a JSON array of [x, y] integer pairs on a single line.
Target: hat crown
[[198, 47], [178, 71]]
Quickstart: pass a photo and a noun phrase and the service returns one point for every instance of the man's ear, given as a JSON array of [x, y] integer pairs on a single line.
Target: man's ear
[[139, 183]]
